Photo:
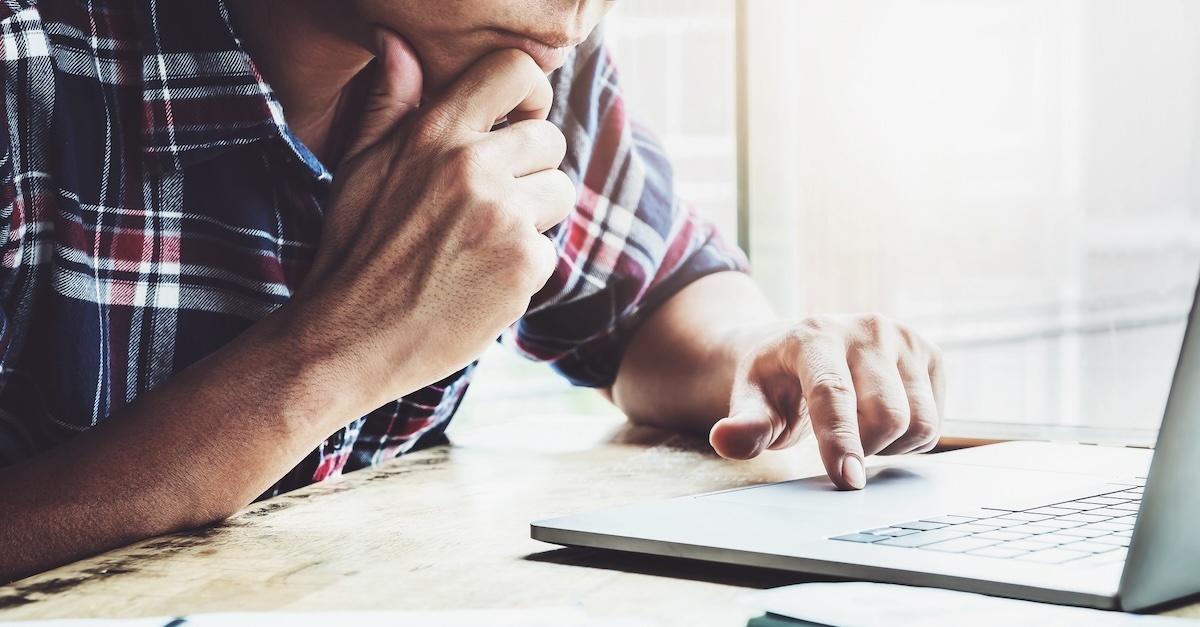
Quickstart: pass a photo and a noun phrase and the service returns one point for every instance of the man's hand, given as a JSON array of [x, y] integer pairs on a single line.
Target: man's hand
[[431, 247], [862, 384], [433, 243]]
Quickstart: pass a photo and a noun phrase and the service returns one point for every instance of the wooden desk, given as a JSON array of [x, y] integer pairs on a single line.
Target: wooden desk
[[444, 528]]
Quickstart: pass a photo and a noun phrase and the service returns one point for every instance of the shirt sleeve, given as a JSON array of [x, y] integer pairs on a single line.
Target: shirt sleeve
[[9, 217], [629, 245]]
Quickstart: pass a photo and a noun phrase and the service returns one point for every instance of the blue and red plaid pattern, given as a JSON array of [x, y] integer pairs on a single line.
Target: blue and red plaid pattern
[[155, 205]]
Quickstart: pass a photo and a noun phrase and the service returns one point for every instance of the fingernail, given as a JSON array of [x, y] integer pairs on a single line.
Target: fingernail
[[853, 472]]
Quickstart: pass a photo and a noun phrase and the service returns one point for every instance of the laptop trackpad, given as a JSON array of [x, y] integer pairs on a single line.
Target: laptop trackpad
[[911, 484]]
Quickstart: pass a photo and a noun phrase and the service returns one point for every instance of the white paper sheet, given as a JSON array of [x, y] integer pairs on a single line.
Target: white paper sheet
[[861, 604], [544, 617]]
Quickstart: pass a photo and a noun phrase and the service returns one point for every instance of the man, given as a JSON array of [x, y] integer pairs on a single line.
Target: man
[[234, 229]]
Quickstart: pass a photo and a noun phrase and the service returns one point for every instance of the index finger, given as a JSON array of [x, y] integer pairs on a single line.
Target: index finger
[[832, 403], [502, 83]]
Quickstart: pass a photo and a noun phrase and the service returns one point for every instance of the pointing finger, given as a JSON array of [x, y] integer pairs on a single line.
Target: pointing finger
[[832, 407]]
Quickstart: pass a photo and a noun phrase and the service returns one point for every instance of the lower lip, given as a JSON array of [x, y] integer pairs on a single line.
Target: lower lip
[[547, 57]]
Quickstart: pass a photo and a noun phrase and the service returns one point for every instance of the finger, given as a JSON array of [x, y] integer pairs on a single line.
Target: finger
[[937, 380], [925, 419], [549, 195], [833, 408], [395, 93], [796, 426], [525, 147], [764, 408], [883, 412], [549, 257], [503, 83], [744, 434]]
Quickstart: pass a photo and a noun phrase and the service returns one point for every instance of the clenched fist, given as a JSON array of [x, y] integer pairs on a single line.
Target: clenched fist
[[433, 241]]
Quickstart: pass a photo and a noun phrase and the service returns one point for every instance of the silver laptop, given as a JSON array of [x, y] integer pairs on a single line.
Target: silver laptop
[[1105, 527]]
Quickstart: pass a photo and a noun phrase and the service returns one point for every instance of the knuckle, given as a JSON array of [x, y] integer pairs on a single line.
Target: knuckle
[[536, 261], [434, 128], [828, 388], [893, 418], [936, 357], [565, 189], [888, 422], [895, 427], [816, 324], [497, 219], [465, 163], [923, 432], [839, 436], [875, 325], [554, 139]]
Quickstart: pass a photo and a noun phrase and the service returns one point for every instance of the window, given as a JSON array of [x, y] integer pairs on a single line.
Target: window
[[1020, 180]]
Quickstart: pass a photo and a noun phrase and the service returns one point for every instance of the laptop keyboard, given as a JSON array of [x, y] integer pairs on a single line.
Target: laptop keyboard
[[1088, 531]]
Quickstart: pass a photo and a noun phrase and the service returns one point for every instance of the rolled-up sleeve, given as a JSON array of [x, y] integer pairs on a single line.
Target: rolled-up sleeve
[[630, 244]]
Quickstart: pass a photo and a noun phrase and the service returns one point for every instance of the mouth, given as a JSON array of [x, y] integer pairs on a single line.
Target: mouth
[[549, 53]]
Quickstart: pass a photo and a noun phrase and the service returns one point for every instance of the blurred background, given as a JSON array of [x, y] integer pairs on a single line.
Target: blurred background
[[1019, 180]]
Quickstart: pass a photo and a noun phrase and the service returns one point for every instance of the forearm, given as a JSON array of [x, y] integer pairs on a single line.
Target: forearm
[[679, 368], [191, 452]]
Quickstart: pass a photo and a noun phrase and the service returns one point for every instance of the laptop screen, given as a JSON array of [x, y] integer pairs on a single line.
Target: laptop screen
[[1018, 180]]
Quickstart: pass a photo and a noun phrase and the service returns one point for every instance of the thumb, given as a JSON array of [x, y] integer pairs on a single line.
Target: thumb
[[744, 434], [395, 93]]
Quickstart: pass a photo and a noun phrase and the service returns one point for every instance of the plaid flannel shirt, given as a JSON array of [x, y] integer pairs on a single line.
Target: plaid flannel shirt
[[154, 204]]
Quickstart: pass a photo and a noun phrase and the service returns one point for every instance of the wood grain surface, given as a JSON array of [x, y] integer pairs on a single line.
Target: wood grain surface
[[446, 528]]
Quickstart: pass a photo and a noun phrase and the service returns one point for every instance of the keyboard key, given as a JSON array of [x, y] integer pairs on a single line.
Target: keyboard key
[[1103, 500], [1031, 544], [1051, 556], [998, 523], [1025, 516], [1003, 551], [1111, 512], [865, 538], [1084, 532], [1084, 518], [1001, 534], [1110, 526], [1034, 529], [920, 525], [1046, 500], [978, 514], [1128, 507], [962, 545], [1059, 523], [1124, 534], [948, 520], [1113, 540], [1051, 511], [1057, 538], [972, 528], [923, 538], [891, 531], [1077, 506], [1091, 547]]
